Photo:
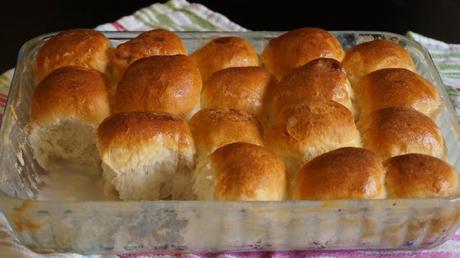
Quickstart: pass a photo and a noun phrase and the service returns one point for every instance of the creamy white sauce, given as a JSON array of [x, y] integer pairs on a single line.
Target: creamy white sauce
[[72, 183]]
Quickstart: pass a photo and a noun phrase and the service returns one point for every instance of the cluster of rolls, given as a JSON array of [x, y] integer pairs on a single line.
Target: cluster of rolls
[[305, 121]]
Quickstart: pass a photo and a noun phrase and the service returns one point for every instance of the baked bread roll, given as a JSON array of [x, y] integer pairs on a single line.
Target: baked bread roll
[[395, 131], [323, 77], [345, 173], [243, 172], [420, 176], [396, 87], [222, 53], [80, 47], [306, 130], [146, 156], [157, 42], [374, 55], [298, 47], [243, 88], [214, 127], [67, 106], [169, 84]]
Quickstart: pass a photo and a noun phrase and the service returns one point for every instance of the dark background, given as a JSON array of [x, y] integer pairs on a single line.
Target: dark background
[[22, 20]]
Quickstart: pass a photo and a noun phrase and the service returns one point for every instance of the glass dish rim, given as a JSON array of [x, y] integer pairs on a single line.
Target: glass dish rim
[[113, 35]]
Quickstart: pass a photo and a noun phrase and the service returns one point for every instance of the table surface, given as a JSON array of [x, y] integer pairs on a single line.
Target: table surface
[[22, 20]]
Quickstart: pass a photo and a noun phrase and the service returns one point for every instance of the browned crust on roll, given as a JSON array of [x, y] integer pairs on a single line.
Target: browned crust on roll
[[311, 128], [396, 87], [82, 47], [71, 92], [298, 47], [222, 53], [243, 169], [375, 55], [133, 129], [243, 88], [345, 173], [323, 77], [157, 42], [313, 117], [213, 128], [160, 83], [420, 176], [399, 130]]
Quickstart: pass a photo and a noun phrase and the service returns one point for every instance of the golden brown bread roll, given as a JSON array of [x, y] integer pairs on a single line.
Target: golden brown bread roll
[[81, 47], [215, 127], [420, 176], [243, 88], [160, 83], [322, 77], [157, 42], [222, 53], [396, 87], [308, 129], [67, 106], [374, 55], [298, 47], [146, 155], [241, 171], [395, 131], [345, 173]]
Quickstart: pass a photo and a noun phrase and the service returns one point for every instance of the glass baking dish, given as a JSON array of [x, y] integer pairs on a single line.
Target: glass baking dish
[[207, 226]]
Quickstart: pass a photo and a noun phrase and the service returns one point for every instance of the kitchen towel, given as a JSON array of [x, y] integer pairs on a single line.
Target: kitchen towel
[[180, 15]]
